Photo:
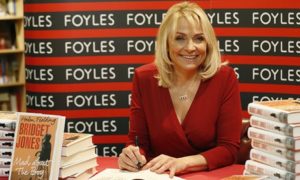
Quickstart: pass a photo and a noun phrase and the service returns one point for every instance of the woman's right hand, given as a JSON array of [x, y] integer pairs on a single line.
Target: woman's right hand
[[131, 159]]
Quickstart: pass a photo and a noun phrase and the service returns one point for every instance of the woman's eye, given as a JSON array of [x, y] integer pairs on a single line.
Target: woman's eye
[[199, 39], [179, 38]]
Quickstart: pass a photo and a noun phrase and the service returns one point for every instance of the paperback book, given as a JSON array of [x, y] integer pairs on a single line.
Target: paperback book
[[277, 127], [74, 142], [285, 111], [274, 161], [37, 147], [258, 168], [273, 138], [276, 150]]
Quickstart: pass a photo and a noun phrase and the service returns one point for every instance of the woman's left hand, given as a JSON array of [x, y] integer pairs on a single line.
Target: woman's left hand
[[162, 163]]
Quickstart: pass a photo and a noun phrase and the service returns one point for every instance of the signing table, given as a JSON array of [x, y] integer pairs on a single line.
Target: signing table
[[111, 162]]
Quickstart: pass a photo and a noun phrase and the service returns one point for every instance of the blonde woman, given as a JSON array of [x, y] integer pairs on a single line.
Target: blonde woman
[[185, 109]]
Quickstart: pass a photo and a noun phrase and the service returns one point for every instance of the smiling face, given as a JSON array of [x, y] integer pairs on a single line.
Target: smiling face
[[187, 47]]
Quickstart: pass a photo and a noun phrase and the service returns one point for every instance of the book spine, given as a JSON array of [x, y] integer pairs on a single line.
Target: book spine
[[6, 153], [262, 169], [272, 160], [6, 144], [7, 134], [7, 124], [5, 163], [269, 113], [272, 138], [278, 151], [277, 127], [4, 172]]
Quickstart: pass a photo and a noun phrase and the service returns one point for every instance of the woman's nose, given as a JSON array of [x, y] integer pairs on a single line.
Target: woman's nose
[[190, 46]]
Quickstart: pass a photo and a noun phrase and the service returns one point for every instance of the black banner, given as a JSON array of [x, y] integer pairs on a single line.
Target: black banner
[[268, 74], [98, 126], [80, 74], [109, 149], [81, 100]]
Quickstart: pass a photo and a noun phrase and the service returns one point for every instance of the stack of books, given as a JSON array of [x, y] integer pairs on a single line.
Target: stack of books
[[275, 139], [7, 133], [79, 157]]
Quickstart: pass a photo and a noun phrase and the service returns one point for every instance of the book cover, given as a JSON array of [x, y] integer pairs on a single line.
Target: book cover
[[285, 111], [74, 142], [37, 147], [258, 168], [273, 138], [277, 127], [274, 161], [276, 150]]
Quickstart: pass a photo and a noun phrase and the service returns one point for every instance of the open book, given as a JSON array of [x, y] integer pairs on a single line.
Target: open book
[[117, 174]]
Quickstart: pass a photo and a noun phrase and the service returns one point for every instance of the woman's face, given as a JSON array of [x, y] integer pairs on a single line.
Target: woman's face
[[187, 48]]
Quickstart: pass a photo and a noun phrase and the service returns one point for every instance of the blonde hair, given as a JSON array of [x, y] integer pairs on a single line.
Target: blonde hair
[[194, 14]]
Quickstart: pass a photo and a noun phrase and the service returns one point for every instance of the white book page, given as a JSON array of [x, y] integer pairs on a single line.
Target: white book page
[[117, 174]]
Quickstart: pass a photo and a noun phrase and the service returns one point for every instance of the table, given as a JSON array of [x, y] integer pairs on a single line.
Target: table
[[235, 169], [111, 162]]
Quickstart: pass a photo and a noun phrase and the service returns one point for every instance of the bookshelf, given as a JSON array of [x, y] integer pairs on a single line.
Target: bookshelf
[[12, 58]]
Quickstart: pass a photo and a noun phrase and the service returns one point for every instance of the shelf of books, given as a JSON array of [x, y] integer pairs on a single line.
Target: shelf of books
[[12, 59]]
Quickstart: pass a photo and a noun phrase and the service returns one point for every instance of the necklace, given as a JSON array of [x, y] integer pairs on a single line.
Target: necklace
[[184, 94]]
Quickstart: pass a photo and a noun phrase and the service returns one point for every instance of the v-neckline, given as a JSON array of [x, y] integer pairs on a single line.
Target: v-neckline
[[181, 123]]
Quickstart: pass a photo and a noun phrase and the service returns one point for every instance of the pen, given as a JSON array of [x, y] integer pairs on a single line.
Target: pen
[[136, 140]]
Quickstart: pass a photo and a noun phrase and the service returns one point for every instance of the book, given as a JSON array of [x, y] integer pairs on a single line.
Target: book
[[7, 124], [6, 153], [3, 8], [84, 153], [273, 138], [79, 166], [245, 176], [11, 7], [126, 175], [276, 150], [7, 135], [277, 127], [37, 147], [258, 168], [6, 144], [285, 111], [74, 142], [274, 161], [5, 163], [4, 172], [7, 35]]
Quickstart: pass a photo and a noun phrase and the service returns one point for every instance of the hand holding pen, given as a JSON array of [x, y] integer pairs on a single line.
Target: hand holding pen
[[136, 140], [130, 158]]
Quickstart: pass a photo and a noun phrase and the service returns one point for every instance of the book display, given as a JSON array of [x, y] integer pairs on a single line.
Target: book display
[[275, 139], [37, 146], [7, 133], [12, 59]]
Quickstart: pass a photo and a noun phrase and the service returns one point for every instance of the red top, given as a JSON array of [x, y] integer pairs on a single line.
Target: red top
[[211, 127]]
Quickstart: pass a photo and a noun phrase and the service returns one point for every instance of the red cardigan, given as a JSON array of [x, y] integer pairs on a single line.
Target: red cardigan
[[211, 127]]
